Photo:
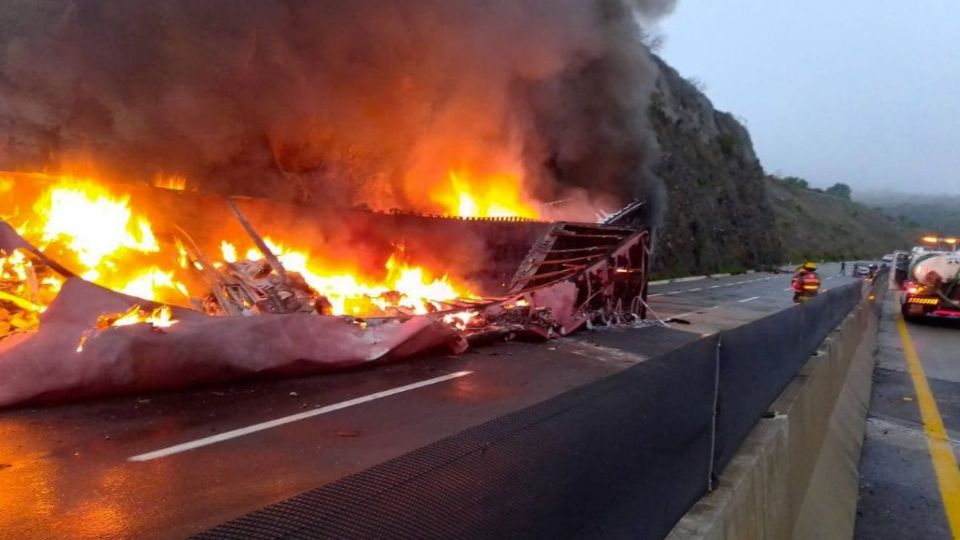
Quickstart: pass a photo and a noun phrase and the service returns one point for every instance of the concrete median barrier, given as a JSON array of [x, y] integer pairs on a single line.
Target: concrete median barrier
[[795, 475]]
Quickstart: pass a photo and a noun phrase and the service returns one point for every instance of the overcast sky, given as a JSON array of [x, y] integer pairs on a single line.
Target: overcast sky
[[865, 92]]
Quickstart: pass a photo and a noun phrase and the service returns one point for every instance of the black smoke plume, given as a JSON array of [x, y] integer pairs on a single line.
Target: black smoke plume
[[340, 102]]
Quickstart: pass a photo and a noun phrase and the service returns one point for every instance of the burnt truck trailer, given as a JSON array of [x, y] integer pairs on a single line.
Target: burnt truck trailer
[[529, 280], [932, 286]]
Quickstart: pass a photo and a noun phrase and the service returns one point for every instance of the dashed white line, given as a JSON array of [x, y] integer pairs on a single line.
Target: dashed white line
[[747, 299], [655, 294], [673, 292], [206, 441], [694, 290], [789, 289], [716, 286]]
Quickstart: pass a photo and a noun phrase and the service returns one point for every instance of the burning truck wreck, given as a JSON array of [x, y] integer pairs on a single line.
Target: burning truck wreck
[[99, 298], [206, 191]]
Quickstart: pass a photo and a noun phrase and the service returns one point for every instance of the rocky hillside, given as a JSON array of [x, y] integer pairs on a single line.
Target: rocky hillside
[[724, 213], [718, 217]]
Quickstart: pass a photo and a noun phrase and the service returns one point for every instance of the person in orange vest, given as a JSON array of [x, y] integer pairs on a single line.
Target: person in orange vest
[[806, 282]]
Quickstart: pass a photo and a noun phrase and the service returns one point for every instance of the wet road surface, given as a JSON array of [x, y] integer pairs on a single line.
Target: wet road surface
[[910, 483]]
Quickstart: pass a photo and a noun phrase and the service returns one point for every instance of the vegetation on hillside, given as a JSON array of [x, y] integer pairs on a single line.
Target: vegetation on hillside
[[817, 225], [938, 214]]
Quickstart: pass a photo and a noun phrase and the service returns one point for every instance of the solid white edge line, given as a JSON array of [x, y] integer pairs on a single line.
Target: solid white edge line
[[233, 434], [747, 299]]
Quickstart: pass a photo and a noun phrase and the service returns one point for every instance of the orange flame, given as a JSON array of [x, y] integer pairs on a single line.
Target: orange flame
[[93, 223], [161, 317], [404, 286], [98, 234], [175, 182], [461, 319], [495, 195]]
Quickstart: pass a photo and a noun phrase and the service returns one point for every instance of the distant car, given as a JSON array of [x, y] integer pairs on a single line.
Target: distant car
[[887, 258], [861, 269]]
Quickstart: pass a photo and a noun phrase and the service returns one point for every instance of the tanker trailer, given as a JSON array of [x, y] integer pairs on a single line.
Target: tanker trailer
[[932, 287]]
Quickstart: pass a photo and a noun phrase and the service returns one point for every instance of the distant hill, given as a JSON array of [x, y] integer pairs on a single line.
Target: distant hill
[[931, 213], [815, 225]]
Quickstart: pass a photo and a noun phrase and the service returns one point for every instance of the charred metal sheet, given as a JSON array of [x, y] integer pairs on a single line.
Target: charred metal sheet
[[566, 249]]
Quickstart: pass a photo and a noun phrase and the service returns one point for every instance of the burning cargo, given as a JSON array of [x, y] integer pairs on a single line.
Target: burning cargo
[[156, 303]]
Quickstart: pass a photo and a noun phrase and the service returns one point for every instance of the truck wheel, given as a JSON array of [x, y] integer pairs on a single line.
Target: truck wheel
[[905, 312]]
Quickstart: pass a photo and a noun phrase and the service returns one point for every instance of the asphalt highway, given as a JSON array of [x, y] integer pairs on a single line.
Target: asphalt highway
[[910, 482], [170, 465], [713, 304]]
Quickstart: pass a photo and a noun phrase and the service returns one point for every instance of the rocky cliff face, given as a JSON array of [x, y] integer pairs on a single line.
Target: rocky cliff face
[[718, 216]]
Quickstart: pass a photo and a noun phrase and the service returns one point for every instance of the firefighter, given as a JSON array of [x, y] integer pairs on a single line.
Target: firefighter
[[806, 282]]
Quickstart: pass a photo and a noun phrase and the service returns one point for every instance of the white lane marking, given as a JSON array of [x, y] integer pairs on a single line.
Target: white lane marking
[[689, 278], [225, 436], [716, 286], [747, 299], [673, 292], [789, 289], [694, 290], [655, 294]]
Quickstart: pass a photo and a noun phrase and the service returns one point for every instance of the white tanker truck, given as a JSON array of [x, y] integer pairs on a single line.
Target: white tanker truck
[[932, 286]]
